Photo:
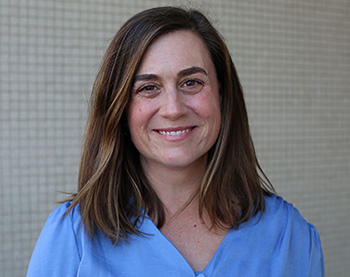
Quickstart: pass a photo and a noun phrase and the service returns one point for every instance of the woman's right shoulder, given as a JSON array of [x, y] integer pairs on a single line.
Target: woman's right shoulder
[[63, 220], [61, 237], [60, 213]]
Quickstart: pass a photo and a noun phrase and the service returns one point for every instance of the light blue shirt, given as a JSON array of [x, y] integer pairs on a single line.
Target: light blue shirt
[[282, 243]]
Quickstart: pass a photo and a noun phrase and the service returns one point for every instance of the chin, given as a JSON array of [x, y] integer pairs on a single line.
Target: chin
[[183, 161]]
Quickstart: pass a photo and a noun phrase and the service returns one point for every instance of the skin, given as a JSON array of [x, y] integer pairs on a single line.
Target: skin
[[174, 119], [175, 90]]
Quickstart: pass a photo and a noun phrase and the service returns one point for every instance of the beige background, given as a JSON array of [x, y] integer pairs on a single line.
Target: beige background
[[293, 58]]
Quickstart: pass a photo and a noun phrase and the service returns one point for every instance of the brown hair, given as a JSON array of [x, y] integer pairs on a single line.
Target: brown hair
[[113, 191]]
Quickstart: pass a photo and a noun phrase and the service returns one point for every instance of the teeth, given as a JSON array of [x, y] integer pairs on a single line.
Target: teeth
[[173, 133]]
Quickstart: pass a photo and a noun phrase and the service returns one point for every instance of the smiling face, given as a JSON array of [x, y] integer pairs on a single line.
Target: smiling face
[[174, 112]]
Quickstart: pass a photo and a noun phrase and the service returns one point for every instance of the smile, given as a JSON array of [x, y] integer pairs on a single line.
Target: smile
[[175, 133]]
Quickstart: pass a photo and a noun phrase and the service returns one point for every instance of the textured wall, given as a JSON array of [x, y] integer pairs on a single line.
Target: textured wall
[[293, 58]]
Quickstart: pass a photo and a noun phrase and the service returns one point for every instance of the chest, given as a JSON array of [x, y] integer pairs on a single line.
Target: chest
[[196, 242], [248, 251]]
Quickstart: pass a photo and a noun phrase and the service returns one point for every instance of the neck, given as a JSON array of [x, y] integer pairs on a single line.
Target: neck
[[175, 185]]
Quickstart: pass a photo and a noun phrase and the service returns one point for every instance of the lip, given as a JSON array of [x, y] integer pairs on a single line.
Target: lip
[[175, 133]]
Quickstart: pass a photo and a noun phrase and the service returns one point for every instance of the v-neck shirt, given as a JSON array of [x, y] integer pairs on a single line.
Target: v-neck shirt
[[279, 243]]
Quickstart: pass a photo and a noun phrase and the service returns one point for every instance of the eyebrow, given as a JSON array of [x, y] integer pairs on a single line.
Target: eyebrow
[[145, 77], [192, 70], [182, 73]]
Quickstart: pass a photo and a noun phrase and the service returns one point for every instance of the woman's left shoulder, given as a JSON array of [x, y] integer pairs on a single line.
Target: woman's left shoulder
[[279, 210], [300, 237]]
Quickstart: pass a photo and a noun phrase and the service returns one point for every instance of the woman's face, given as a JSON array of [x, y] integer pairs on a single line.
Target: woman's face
[[174, 112]]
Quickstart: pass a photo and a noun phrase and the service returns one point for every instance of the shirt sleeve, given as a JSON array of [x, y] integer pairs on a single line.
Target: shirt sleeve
[[297, 244], [57, 251], [316, 254]]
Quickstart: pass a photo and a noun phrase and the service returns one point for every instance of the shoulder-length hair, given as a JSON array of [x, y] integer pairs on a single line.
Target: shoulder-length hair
[[113, 192]]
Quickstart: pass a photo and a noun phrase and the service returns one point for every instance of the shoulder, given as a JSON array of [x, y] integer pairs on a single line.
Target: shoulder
[[283, 213], [282, 216], [62, 223], [276, 206], [61, 237], [292, 232], [59, 216]]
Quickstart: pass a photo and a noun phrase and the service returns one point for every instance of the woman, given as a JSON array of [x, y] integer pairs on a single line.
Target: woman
[[169, 181]]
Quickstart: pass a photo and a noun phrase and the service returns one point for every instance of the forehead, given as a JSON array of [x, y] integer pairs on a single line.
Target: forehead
[[179, 49]]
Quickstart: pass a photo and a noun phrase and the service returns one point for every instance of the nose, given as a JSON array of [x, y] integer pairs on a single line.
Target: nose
[[172, 104]]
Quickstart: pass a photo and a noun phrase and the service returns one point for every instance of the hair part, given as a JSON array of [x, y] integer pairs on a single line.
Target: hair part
[[113, 191]]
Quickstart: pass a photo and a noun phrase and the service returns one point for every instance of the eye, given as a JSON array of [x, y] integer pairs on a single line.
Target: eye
[[192, 85], [147, 88]]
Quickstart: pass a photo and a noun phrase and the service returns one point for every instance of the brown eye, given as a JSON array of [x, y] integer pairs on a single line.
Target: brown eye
[[192, 86], [148, 88], [191, 83]]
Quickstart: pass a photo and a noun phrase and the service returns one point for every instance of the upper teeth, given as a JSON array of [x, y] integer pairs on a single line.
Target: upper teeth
[[173, 133]]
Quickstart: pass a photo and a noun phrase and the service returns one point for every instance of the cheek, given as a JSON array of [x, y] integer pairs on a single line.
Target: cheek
[[134, 123], [133, 117], [209, 108], [211, 113], [138, 115]]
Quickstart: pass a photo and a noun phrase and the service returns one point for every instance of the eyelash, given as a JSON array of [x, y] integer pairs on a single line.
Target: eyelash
[[152, 88], [145, 88], [195, 81]]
